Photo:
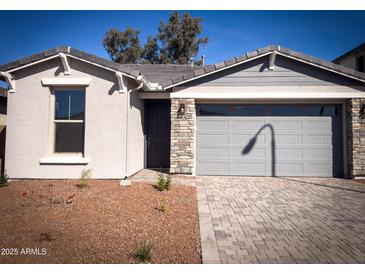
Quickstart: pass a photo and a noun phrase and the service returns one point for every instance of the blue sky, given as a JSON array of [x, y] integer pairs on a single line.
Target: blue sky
[[324, 34]]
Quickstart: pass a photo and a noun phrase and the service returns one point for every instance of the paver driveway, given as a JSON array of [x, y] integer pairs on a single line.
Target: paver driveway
[[281, 220]]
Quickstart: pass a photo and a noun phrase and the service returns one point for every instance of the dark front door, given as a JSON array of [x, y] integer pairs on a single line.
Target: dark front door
[[157, 120]]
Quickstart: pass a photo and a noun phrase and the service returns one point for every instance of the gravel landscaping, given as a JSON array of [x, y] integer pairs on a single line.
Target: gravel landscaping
[[101, 223]]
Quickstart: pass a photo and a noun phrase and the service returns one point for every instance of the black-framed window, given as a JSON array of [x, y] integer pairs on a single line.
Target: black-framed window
[[69, 121]]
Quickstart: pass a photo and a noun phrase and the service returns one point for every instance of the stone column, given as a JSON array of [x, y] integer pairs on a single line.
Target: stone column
[[355, 138], [182, 136]]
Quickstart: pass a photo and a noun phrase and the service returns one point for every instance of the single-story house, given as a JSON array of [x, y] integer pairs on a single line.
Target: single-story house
[[269, 112]]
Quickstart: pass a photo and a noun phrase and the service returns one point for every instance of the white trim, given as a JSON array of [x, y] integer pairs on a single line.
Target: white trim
[[269, 92], [65, 81], [9, 80], [33, 63], [66, 65], [218, 70], [100, 66], [64, 160], [68, 55]]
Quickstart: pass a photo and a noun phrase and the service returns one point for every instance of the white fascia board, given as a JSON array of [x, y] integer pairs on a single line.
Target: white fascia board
[[65, 81], [100, 66], [269, 92], [33, 63]]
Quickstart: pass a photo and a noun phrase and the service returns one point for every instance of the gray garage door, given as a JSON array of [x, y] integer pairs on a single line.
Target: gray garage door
[[269, 140]]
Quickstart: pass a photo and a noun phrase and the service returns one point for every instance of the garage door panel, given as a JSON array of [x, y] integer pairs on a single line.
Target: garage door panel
[[243, 139], [249, 168], [246, 124], [317, 126], [286, 125], [290, 139], [213, 124], [315, 153], [213, 168], [242, 145], [212, 138], [317, 169], [289, 169], [289, 153], [257, 152], [213, 152], [318, 139]]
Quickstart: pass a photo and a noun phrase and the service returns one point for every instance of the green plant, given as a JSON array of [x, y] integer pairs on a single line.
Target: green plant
[[85, 176], [4, 180], [163, 182], [144, 251]]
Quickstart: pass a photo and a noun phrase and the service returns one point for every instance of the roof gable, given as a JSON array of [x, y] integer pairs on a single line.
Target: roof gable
[[300, 57], [287, 72]]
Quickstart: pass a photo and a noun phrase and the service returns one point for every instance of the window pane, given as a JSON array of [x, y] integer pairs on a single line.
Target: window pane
[[69, 137], [77, 111], [70, 105], [62, 105]]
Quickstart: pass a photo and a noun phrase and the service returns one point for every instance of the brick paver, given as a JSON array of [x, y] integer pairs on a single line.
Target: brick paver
[[281, 220]]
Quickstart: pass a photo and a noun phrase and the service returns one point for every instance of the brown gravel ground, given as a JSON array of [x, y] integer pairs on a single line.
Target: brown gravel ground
[[102, 223]]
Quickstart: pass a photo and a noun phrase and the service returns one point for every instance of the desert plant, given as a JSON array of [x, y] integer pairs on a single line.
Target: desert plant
[[163, 182], [143, 253], [164, 204], [85, 176], [4, 180]]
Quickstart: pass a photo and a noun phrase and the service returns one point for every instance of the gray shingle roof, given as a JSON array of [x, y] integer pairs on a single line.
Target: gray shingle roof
[[257, 53], [171, 75]]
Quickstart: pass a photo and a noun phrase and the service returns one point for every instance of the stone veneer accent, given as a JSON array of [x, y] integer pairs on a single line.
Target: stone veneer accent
[[355, 138], [182, 136]]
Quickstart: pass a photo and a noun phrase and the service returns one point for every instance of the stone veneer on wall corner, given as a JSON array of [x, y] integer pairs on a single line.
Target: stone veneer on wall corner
[[182, 136], [355, 138]]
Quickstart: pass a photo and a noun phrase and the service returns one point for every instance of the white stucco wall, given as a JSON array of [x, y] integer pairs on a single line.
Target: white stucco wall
[[29, 124]]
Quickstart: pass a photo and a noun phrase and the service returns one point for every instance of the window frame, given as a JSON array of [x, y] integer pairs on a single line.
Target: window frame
[[54, 121]]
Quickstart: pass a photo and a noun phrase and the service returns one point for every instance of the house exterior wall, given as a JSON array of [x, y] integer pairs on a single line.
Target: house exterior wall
[[30, 120], [182, 137], [136, 138], [355, 131]]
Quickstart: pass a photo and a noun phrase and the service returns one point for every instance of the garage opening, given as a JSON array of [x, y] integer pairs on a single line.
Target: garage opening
[[269, 140]]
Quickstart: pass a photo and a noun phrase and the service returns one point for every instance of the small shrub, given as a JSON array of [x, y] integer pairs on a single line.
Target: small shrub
[[4, 180], [85, 176], [144, 252], [163, 182], [164, 204]]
